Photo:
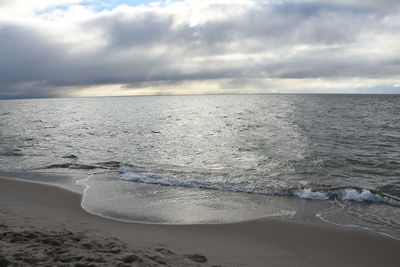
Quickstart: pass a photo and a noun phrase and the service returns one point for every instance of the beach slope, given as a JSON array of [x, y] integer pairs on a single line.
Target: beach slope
[[45, 225]]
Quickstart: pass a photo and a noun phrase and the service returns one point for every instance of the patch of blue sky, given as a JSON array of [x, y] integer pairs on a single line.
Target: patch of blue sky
[[107, 5], [101, 5]]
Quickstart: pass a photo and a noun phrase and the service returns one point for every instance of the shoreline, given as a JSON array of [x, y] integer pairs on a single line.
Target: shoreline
[[262, 242]]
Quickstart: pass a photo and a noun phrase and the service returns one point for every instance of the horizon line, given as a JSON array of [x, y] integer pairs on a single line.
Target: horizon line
[[192, 94]]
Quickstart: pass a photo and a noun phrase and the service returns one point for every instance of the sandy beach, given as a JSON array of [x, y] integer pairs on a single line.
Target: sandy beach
[[43, 225], [213, 133]]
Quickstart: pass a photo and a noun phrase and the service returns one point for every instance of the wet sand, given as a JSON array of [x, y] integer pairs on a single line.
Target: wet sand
[[42, 225]]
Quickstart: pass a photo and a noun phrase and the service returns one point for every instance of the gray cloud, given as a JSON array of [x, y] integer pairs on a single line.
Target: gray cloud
[[291, 39]]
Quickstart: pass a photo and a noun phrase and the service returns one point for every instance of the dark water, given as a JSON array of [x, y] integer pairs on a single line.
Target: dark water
[[222, 154]]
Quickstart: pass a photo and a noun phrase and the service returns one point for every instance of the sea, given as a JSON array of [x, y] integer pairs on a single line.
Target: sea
[[206, 159]]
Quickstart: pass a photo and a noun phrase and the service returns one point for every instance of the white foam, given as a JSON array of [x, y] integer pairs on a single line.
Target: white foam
[[125, 169], [351, 194], [368, 196], [235, 185], [284, 213], [307, 193], [73, 166], [364, 195], [143, 177]]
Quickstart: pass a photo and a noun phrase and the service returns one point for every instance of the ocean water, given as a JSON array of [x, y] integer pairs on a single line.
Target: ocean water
[[215, 158]]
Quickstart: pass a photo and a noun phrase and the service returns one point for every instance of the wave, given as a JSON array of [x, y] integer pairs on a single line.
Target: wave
[[349, 193], [108, 165], [12, 153], [70, 156], [355, 194], [73, 166], [131, 173]]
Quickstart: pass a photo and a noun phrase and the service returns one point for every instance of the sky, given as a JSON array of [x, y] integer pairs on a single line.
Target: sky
[[73, 48]]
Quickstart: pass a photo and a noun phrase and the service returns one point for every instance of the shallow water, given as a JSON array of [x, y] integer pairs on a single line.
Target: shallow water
[[217, 158]]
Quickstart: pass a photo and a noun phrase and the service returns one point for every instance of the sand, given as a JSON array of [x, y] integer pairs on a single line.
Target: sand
[[42, 225]]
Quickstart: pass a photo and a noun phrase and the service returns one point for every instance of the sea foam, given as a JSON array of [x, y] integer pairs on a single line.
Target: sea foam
[[345, 194]]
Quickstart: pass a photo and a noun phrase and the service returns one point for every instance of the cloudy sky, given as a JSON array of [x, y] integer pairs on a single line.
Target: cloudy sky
[[55, 48]]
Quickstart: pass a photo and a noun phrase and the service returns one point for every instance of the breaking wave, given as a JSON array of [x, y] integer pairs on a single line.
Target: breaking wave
[[340, 193]]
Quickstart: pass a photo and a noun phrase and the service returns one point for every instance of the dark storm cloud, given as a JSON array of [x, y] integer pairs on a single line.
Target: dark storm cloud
[[28, 57], [140, 48], [24, 52], [283, 24]]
